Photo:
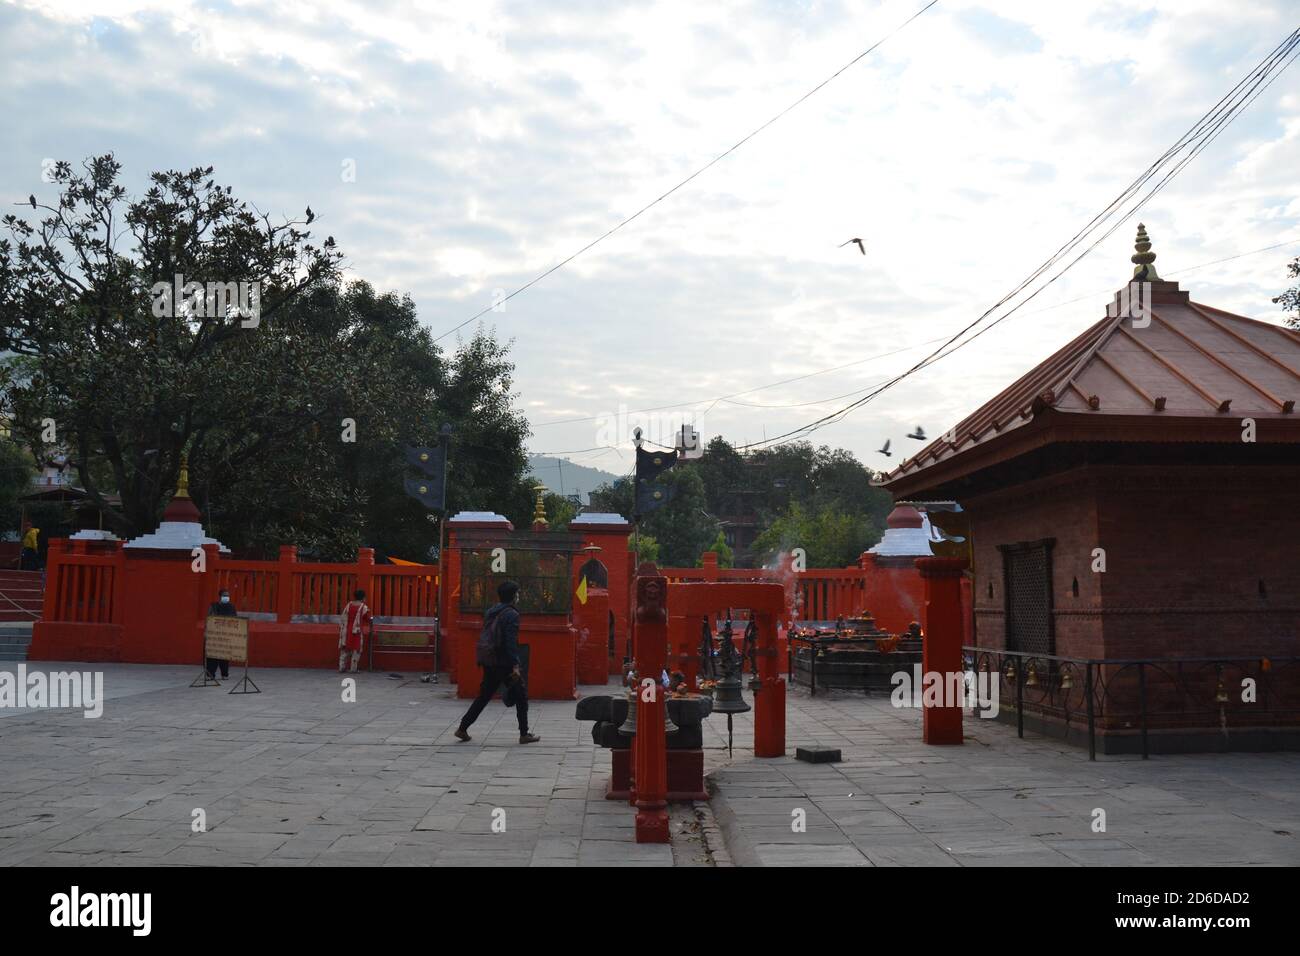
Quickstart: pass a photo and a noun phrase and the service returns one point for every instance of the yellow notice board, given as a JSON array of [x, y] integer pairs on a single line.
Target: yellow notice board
[[226, 638]]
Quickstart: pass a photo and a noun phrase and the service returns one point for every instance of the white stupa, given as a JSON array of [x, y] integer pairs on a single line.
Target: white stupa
[[181, 528], [907, 535]]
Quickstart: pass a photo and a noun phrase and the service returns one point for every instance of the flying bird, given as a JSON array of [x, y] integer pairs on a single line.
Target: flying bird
[[861, 247], [885, 451], [919, 434]]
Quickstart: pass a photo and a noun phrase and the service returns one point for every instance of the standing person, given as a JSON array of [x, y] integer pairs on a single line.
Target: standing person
[[221, 607], [498, 655], [355, 616], [30, 558]]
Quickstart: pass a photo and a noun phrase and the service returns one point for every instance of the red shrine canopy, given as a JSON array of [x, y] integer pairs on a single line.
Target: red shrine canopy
[[1183, 372]]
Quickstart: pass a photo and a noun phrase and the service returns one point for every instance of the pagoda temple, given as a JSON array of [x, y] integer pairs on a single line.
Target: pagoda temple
[[1132, 496]]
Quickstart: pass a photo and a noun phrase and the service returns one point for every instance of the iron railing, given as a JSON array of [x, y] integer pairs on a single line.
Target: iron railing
[[1127, 696]]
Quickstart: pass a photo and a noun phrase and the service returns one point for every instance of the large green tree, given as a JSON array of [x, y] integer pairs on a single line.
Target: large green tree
[[830, 538], [292, 414]]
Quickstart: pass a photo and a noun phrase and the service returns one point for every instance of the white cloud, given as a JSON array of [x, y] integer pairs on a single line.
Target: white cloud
[[492, 140]]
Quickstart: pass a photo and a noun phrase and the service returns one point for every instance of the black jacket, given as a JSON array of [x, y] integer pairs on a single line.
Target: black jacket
[[508, 648], [217, 609]]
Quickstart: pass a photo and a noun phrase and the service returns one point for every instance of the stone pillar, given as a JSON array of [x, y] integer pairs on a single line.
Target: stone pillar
[[650, 643], [941, 619]]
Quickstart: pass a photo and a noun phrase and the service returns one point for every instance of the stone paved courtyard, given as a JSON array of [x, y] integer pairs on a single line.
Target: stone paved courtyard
[[296, 776]]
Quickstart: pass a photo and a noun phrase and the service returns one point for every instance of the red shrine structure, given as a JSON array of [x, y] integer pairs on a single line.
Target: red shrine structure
[[1134, 540]]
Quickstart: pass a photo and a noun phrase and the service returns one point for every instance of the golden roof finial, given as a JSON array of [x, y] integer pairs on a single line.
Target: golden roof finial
[[183, 482], [1144, 268], [539, 512]]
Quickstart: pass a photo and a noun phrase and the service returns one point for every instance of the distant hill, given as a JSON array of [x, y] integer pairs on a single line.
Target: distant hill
[[561, 475]]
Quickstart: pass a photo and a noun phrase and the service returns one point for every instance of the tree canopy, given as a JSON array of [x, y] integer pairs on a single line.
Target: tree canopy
[[292, 404]]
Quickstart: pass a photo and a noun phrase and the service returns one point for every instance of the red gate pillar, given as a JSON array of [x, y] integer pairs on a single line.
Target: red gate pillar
[[769, 699], [941, 651], [651, 751]]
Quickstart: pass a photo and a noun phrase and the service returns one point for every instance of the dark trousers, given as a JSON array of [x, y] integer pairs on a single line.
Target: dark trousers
[[212, 667], [494, 677]]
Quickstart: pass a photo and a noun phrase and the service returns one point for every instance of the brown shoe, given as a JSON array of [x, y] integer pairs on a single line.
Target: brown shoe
[[529, 738], [461, 734]]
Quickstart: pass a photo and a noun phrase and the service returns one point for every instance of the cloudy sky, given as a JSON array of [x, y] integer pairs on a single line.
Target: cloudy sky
[[490, 140]]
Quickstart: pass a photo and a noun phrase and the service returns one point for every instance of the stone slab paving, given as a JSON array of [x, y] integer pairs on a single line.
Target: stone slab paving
[[994, 801], [294, 776]]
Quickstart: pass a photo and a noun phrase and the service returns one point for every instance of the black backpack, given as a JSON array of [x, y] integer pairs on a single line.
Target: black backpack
[[487, 648]]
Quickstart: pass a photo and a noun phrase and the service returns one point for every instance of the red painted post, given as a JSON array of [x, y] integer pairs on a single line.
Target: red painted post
[[284, 583], [119, 583], [769, 699], [650, 641], [53, 567], [941, 618]]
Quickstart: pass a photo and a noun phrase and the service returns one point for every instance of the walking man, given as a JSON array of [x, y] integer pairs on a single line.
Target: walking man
[[220, 608], [498, 655], [355, 616]]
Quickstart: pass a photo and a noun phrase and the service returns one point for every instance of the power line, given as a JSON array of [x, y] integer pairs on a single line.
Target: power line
[[758, 388], [730, 398], [1205, 131], [717, 159]]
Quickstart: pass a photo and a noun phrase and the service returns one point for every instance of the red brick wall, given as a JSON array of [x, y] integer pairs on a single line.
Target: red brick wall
[[1185, 547]]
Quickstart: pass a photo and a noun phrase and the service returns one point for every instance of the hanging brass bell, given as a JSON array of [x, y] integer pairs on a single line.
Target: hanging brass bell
[[1220, 694], [1067, 680], [728, 697], [1010, 671], [628, 727], [1031, 678]]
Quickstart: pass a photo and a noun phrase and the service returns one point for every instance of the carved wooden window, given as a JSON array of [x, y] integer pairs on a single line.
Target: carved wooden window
[[1027, 586]]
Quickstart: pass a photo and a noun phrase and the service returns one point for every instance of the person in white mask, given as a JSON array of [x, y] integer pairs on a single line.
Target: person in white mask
[[221, 607]]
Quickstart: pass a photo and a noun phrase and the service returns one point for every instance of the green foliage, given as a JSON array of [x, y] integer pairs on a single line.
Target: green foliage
[[822, 494], [723, 550], [830, 538], [559, 511], [646, 547], [16, 472], [262, 410], [1290, 299]]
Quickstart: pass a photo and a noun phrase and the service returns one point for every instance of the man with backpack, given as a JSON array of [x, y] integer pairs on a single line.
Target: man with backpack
[[497, 652]]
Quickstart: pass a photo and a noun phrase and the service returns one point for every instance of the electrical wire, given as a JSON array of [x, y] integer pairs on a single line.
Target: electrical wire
[[717, 159], [1205, 131]]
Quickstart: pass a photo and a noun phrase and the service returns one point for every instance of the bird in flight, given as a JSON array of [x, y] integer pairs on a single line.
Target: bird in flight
[[885, 451], [861, 247], [919, 434]]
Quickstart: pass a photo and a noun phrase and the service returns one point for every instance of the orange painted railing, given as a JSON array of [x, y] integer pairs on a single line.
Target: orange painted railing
[[84, 591], [83, 583], [821, 594]]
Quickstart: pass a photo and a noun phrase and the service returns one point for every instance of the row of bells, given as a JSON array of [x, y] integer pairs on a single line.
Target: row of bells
[[727, 699]]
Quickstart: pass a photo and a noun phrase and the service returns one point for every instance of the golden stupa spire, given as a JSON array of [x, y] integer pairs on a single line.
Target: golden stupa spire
[[183, 480], [1144, 260], [539, 512]]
